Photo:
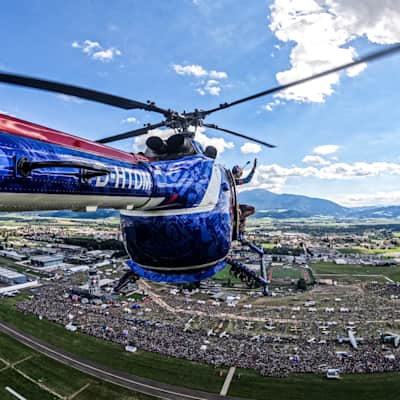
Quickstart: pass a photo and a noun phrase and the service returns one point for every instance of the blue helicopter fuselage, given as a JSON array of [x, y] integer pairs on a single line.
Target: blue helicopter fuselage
[[177, 216]]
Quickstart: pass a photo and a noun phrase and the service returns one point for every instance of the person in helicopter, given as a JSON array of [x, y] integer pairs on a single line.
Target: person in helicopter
[[245, 209]]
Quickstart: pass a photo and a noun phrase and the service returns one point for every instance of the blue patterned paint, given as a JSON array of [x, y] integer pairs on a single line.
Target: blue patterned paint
[[184, 180], [179, 242], [61, 180], [182, 183], [163, 244]]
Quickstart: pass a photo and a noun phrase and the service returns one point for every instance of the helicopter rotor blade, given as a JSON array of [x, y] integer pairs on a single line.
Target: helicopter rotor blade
[[369, 57], [76, 91], [129, 134], [216, 127]]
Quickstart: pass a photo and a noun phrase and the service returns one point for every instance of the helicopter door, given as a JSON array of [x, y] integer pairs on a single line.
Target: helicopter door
[[234, 205]]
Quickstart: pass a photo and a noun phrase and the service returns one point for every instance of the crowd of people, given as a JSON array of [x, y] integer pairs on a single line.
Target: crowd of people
[[391, 290], [270, 354]]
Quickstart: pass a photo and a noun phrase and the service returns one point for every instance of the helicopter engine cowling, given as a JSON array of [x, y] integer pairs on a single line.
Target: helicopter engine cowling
[[190, 238]]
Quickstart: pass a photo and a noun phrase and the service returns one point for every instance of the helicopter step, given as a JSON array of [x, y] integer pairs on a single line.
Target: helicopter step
[[247, 275], [260, 252]]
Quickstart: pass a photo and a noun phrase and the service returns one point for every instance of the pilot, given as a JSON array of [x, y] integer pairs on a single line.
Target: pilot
[[245, 209]]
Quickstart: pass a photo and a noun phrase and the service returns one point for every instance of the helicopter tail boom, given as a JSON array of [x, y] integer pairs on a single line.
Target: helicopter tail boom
[[43, 169]]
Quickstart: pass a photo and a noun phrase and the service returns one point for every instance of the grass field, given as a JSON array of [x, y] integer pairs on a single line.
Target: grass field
[[224, 276], [53, 376], [314, 387], [287, 273], [350, 269], [266, 245], [166, 369], [22, 386], [363, 250], [351, 279]]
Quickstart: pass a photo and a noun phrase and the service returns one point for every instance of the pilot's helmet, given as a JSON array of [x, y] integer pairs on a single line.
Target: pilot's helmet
[[237, 171]]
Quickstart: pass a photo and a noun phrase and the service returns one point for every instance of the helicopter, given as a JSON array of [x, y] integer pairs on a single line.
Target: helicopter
[[178, 206]]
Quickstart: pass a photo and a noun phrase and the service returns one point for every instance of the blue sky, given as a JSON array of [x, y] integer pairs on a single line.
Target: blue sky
[[199, 53]]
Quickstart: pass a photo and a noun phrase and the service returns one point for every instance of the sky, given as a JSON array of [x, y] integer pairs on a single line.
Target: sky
[[336, 138]]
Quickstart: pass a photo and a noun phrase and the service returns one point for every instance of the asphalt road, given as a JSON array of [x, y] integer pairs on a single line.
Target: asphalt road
[[138, 384]]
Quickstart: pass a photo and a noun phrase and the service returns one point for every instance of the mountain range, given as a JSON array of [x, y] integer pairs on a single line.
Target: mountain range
[[274, 205], [267, 204]]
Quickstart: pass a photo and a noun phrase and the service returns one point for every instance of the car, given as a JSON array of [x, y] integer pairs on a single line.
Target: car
[[333, 373]]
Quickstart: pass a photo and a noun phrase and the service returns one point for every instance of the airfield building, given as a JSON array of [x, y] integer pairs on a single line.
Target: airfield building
[[46, 261], [10, 277]]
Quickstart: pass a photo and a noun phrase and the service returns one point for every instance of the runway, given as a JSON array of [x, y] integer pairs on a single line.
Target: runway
[[138, 384]]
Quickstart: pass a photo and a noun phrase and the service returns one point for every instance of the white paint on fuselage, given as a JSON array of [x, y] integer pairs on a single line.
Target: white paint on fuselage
[[15, 202], [125, 178], [207, 204]]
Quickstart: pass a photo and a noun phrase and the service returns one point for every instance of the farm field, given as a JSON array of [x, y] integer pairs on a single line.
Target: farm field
[[363, 250], [38, 377], [354, 269]]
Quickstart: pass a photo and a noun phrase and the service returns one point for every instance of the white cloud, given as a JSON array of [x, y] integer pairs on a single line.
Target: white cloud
[[194, 70], [272, 104], [326, 149], [87, 46], [219, 143], [358, 169], [69, 99], [218, 75], [210, 86], [370, 199], [96, 51], [322, 31], [273, 177], [315, 160], [106, 55], [213, 90], [130, 120], [250, 148], [198, 71]]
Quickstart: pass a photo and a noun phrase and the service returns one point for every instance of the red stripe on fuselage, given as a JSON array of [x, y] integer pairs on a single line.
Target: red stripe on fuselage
[[33, 131]]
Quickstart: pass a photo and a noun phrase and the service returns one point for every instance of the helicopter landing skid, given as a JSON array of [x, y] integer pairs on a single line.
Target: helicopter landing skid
[[128, 277]]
